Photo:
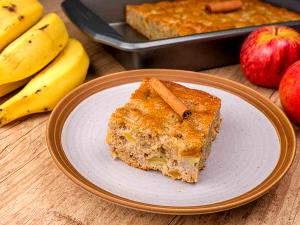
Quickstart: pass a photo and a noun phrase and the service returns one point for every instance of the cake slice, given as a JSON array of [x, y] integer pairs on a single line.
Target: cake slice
[[148, 134]]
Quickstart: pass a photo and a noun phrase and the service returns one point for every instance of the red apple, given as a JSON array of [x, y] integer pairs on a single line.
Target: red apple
[[268, 52], [290, 92]]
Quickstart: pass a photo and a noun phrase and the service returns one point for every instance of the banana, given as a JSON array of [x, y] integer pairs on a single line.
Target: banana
[[44, 91], [33, 50], [16, 17], [9, 87]]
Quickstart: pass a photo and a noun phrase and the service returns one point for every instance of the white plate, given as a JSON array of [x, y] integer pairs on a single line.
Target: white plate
[[243, 156]]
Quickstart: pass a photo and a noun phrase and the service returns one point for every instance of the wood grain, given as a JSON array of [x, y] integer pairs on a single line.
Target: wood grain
[[34, 191]]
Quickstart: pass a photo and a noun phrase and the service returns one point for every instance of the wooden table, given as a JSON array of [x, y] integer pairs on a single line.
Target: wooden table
[[34, 191]]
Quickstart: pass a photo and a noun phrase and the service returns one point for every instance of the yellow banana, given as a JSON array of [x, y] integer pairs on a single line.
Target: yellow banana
[[16, 17], [9, 87], [44, 90], [33, 50]]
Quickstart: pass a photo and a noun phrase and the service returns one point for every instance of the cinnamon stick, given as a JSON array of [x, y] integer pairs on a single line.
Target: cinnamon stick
[[223, 7], [170, 98]]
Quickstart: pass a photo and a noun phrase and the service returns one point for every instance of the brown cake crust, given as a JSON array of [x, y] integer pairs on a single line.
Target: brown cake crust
[[146, 132], [185, 17]]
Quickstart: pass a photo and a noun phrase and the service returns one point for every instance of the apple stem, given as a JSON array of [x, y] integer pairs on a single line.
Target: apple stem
[[276, 31]]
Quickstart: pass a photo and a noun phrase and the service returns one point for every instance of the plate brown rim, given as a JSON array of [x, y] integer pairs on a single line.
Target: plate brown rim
[[279, 120]]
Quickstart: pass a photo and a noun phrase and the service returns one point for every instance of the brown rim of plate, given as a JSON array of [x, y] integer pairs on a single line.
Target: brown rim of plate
[[280, 122]]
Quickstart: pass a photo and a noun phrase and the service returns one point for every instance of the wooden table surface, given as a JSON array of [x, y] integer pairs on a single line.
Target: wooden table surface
[[34, 191]]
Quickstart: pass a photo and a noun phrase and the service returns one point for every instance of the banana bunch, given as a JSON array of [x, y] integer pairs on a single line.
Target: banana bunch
[[39, 54]]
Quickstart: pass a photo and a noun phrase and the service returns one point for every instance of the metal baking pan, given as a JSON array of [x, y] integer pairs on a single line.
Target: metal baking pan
[[104, 22]]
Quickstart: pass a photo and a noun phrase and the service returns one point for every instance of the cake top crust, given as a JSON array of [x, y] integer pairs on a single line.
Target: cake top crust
[[149, 113], [188, 17]]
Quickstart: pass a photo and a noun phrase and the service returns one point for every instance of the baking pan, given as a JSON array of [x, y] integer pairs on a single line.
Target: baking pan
[[104, 22]]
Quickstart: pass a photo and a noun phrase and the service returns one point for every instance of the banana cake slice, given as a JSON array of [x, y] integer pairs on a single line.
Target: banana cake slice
[[147, 133]]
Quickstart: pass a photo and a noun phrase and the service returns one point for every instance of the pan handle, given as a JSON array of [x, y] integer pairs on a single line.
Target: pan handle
[[89, 22]]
